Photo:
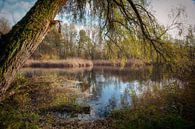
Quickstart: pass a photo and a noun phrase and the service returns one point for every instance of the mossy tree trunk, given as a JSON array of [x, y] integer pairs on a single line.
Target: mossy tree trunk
[[18, 45]]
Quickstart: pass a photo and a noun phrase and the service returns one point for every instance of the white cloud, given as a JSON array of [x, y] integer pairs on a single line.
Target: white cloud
[[14, 10]]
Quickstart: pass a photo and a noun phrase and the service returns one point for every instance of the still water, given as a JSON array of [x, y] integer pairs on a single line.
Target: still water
[[102, 89]]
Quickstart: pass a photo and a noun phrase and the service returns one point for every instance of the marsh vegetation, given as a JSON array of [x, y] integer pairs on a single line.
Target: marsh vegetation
[[104, 97]]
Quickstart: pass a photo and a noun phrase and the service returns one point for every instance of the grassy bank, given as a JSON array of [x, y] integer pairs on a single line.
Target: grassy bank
[[171, 107], [35, 98], [32, 102], [77, 63], [129, 63], [68, 63]]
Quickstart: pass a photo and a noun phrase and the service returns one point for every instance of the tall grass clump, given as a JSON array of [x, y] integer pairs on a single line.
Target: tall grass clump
[[158, 109]]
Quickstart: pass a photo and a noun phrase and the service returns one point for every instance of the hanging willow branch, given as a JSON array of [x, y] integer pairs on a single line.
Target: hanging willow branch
[[129, 15]]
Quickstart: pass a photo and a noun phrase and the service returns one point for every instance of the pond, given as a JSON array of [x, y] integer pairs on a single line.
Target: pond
[[101, 88]]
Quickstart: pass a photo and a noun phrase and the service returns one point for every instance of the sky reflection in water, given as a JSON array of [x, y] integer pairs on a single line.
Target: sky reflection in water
[[104, 90]]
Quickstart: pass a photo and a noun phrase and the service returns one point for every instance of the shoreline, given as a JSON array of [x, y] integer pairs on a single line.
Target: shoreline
[[68, 63], [84, 63]]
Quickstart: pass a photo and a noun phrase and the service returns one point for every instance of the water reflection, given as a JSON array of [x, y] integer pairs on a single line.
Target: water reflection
[[103, 89], [107, 94]]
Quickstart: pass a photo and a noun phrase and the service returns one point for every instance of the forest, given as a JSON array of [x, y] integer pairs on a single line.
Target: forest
[[96, 64]]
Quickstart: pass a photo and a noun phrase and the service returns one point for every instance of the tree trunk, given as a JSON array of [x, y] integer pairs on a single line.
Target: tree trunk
[[18, 45]]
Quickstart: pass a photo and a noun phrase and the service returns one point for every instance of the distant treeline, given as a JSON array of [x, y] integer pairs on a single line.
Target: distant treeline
[[70, 43], [89, 43]]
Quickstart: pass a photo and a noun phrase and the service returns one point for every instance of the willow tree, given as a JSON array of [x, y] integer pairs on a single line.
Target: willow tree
[[115, 17]]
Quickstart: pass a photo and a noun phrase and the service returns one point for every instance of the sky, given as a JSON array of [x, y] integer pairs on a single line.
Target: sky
[[14, 10], [163, 8]]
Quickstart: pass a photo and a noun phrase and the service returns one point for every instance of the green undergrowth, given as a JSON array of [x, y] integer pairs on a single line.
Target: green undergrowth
[[166, 108], [17, 111], [13, 117], [31, 102]]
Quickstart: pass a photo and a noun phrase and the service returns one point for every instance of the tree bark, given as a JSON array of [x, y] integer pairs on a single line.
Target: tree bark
[[18, 45]]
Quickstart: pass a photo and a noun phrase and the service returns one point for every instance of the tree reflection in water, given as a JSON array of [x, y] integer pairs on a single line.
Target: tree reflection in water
[[104, 89]]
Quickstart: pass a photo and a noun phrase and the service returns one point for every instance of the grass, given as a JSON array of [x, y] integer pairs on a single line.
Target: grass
[[72, 70], [135, 63], [167, 107], [68, 63], [161, 109], [14, 116], [22, 107], [77, 63]]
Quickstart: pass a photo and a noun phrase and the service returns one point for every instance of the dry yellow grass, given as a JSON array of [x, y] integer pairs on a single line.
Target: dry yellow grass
[[117, 63], [78, 63], [73, 62]]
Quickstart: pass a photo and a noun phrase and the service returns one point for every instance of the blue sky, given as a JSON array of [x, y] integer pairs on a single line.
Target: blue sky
[[14, 10]]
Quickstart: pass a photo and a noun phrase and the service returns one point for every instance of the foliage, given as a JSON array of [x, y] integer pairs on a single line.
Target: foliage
[[179, 53], [161, 108], [124, 30], [67, 45], [27, 103], [12, 116]]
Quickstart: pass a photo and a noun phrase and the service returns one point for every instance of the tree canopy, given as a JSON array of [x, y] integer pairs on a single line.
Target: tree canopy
[[125, 25]]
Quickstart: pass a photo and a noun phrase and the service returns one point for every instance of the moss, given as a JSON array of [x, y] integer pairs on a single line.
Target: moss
[[26, 31], [29, 26]]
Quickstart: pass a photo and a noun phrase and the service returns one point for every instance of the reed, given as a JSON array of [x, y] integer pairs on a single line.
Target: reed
[[68, 63], [117, 63]]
